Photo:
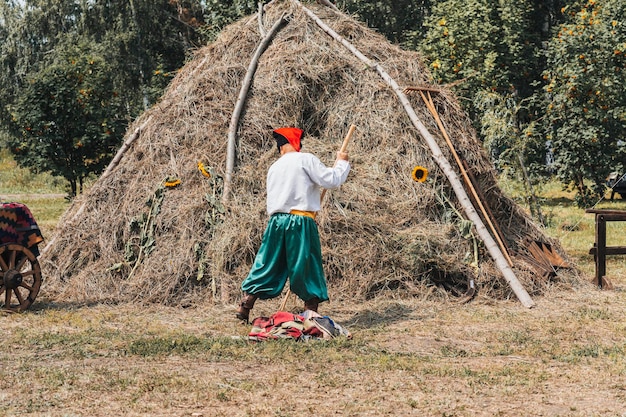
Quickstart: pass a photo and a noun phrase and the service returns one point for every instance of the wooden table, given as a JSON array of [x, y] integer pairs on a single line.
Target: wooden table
[[600, 250]]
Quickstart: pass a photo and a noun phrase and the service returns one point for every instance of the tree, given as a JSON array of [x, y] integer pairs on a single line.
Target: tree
[[484, 45], [146, 41], [585, 96], [220, 13], [142, 43], [69, 118], [493, 54], [398, 20]]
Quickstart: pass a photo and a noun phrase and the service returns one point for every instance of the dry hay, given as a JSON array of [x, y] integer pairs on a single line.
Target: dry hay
[[380, 232]]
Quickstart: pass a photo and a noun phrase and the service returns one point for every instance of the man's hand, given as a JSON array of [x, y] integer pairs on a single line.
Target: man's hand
[[342, 155]]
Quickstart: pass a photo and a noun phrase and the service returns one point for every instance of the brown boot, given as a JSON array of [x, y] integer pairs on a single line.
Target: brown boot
[[312, 304], [243, 312]]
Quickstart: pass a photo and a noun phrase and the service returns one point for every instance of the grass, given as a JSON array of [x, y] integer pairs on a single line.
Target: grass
[[565, 357], [154, 360], [43, 194], [17, 180], [574, 228]]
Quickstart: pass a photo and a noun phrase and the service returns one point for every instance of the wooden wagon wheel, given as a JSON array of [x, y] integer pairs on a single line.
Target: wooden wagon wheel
[[21, 277]]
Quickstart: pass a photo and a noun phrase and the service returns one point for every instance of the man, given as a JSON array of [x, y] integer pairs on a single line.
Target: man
[[291, 245]]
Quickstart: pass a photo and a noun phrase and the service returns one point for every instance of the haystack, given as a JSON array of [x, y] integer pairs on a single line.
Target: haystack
[[156, 227]]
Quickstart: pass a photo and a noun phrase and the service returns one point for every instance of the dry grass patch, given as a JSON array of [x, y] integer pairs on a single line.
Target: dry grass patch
[[14, 179], [564, 357]]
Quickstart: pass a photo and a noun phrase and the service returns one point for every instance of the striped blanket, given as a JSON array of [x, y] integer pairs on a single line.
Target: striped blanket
[[17, 225]]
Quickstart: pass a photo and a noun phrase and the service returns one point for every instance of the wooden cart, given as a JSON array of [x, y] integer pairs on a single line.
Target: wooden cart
[[20, 271]]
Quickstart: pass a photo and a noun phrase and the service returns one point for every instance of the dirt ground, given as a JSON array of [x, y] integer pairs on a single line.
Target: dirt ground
[[565, 357]]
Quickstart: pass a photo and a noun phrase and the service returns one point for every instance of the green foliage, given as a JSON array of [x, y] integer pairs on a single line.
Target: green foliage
[[586, 96], [220, 13], [491, 52], [487, 44], [499, 127], [147, 42], [138, 46], [462, 42], [142, 241], [75, 86], [399, 20]]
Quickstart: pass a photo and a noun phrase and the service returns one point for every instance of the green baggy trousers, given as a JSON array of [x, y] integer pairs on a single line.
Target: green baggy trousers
[[290, 249]]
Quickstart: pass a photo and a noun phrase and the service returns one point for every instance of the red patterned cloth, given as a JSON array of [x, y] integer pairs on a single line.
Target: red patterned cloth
[[284, 325], [17, 225]]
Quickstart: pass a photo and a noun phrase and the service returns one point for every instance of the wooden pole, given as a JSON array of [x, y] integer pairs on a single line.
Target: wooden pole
[[443, 163], [260, 19], [431, 107], [241, 99], [125, 146], [344, 147]]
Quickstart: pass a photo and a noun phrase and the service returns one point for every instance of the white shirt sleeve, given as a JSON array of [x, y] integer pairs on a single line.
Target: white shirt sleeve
[[295, 180], [324, 176]]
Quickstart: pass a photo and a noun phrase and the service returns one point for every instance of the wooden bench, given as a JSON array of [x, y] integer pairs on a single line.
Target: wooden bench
[[600, 250]]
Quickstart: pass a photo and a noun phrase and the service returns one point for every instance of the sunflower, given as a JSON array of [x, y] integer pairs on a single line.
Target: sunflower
[[203, 170], [172, 182], [419, 174]]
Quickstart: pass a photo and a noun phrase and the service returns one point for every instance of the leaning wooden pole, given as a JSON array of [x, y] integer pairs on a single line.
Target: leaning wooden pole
[[241, 100], [344, 148], [443, 163], [125, 147], [431, 107], [262, 30]]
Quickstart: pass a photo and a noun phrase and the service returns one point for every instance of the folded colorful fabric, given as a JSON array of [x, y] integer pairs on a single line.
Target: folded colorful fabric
[[284, 325], [17, 225]]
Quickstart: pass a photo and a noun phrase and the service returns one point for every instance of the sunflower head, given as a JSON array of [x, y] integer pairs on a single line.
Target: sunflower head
[[171, 182], [203, 170], [419, 174]]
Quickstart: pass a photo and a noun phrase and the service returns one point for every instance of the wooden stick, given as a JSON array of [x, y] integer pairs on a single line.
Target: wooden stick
[[284, 303], [125, 146], [441, 160], [255, 17], [260, 19], [482, 197], [241, 99], [431, 107], [344, 147], [422, 88]]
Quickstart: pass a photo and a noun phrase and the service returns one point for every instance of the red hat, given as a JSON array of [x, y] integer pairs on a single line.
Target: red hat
[[293, 135]]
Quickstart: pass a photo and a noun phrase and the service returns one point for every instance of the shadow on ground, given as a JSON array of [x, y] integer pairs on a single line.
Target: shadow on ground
[[372, 318]]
